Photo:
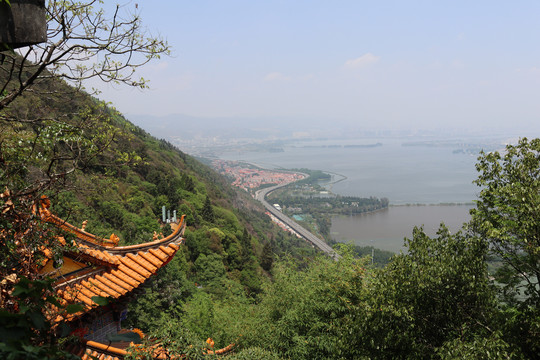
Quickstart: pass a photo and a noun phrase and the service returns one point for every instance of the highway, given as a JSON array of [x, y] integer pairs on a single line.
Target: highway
[[261, 196]]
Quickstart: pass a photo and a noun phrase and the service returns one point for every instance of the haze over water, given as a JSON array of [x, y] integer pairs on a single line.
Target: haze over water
[[404, 174]]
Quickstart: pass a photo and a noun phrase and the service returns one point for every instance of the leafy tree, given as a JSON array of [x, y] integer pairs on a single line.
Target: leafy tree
[[508, 217], [187, 183], [234, 255], [310, 314], [267, 257], [481, 348], [247, 249], [44, 141], [436, 292], [210, 268], [176, 341], [254, 353], [26, 333], [197, 242], [164, 296], [250, 278], [199, 315], [216, 236], [186, 210]]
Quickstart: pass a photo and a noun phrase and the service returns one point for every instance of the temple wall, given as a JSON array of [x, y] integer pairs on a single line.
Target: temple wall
[[101, 326]]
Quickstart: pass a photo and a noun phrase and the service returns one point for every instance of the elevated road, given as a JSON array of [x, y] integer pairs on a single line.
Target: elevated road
[[261, 196]]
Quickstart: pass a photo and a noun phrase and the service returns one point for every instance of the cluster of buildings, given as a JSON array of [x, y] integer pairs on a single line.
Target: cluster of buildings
[[251, 178]]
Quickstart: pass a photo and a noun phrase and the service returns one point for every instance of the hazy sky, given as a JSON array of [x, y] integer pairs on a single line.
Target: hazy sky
[[378, 64]]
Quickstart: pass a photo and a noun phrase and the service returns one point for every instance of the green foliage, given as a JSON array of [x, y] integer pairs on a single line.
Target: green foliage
[[436, 295], [164, 297], [314, 176], [247, 249], [207, 212], [480, 348], [267, 257], [227, 220], [199, 315], [231, 312], [188, 183], [254, 353], [345, 205], [429, 296], [177, 340], [210, 269], [53, 149], [250, 277], [310, 314], [520, 328], [27, 333], [380, 257], [507, 215]]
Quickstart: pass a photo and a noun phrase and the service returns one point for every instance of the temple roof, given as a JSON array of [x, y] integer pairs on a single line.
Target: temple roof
[[97, 267], [90, 350]]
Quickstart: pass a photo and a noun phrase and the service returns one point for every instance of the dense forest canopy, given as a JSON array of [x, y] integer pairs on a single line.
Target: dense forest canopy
[[233, 281], [239, 279]]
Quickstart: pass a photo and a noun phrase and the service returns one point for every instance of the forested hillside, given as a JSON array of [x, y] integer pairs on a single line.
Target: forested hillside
[[232, 281], [239, 278], [97, 167]]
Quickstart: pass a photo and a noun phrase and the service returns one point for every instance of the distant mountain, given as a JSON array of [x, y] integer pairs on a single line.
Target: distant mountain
[[189, 127]]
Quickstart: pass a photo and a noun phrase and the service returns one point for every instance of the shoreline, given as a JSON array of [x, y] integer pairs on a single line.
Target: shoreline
[[437, 204], [330, 184]]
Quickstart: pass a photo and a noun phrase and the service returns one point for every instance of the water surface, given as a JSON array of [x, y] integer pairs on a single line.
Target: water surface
[[387, 228], [403, 174]]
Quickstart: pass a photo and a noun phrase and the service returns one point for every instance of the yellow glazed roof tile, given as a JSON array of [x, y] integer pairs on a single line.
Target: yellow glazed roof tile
[[86, 292], [151, 259], [122, 284], [129, 267], [139, 259], [110, 284], [133, 265], [116, 270], [167, 250], [129, 275], [98, 288], [159, 254]]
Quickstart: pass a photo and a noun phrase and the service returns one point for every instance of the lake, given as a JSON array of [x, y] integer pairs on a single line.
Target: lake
[[403, 174], [386, 229]]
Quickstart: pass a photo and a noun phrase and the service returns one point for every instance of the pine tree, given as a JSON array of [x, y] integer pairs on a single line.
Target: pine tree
[[207, 211], [247, 250], [267, 257]]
